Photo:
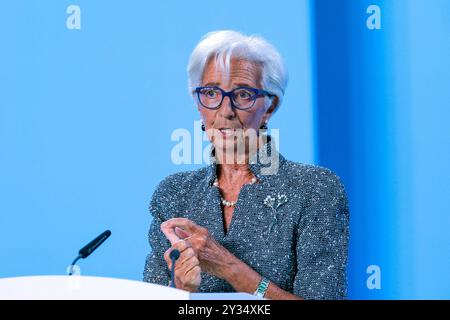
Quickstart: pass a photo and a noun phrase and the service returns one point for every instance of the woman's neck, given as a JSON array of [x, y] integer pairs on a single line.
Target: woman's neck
[[237, 170], [233, 173]]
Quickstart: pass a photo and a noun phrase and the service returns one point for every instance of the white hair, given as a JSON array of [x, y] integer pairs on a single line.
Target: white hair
[[225, 45]]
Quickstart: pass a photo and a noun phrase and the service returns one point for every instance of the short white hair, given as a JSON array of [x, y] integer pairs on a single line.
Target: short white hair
[[227, 44]]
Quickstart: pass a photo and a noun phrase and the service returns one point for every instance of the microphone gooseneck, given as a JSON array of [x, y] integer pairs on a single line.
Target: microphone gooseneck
[[73, 264]]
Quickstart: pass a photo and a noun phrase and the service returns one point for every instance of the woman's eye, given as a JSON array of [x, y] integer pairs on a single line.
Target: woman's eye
[[211, 94], [244, 95]]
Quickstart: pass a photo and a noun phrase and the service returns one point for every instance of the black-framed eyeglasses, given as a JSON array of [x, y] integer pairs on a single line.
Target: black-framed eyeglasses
[[242, 98]]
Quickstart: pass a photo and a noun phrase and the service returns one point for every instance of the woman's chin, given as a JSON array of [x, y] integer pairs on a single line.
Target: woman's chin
[[225, 144]]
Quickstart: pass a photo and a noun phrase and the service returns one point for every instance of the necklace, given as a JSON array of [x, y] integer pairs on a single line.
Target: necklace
[[226, 202]]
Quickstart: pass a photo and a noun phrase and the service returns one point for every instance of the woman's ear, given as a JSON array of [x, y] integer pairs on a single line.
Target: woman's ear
[[273, 105]]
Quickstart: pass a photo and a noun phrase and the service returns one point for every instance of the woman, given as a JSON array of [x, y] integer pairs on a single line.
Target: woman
[[280, 233]]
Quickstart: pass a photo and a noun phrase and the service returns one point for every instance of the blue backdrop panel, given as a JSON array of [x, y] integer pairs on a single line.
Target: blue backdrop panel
[[382, 111]]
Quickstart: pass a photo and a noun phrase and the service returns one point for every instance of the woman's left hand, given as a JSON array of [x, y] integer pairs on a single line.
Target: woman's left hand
[[214, 258]]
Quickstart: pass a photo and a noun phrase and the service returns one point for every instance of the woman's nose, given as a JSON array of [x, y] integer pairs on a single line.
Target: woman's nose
[[226, 109]]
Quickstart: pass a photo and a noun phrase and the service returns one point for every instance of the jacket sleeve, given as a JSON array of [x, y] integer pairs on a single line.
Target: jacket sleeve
[[322, 240], [156, 270]]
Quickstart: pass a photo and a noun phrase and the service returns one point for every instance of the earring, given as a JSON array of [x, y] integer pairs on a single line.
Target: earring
[[203, 127], [263, 126]]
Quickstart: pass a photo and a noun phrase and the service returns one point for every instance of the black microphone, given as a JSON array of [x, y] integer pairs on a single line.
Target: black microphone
[[89, 248], [174, 255]]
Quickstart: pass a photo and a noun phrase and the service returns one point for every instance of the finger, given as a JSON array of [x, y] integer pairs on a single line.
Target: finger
[[193, 275], [186, 265], [184, 271], [182, 234], [186, 255], [167, 258], [194, 269], [180, 245], [169, 232], [182, 223]]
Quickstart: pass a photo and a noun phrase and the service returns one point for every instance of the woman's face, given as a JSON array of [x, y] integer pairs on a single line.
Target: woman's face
[[227, 126]]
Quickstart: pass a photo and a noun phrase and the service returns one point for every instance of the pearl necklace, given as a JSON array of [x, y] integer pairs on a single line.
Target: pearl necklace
[[226, 202]]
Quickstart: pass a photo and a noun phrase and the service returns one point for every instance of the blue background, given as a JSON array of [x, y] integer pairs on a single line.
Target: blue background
[[86, 118]]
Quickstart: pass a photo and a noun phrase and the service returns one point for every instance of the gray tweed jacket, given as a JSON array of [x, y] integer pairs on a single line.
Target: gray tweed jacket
[[292, 227]]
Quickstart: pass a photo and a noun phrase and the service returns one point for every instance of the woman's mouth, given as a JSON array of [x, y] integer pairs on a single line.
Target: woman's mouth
[[228, 132]]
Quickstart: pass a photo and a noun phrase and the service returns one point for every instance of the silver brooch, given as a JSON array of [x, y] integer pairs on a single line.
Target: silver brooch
[[274, 202]]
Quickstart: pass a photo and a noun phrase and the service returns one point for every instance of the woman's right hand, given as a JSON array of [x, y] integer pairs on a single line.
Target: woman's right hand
[[187, 266]]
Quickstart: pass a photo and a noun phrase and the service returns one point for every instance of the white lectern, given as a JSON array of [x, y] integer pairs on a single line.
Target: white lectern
[[98, 288]]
